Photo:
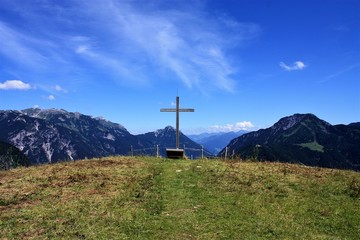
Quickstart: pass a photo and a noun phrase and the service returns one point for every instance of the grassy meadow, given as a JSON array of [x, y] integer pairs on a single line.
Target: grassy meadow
[[150, 198]]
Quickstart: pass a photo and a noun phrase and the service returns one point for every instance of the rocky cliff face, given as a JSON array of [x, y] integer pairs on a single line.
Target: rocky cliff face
[[47, 136]]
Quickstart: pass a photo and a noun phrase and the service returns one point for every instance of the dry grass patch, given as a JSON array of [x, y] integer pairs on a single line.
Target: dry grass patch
[[64, 181]]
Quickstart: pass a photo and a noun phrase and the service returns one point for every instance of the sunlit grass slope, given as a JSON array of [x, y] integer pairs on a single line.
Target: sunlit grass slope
[[149, 198]]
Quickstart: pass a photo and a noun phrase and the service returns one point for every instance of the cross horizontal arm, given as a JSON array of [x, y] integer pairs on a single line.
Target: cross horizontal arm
[[168, 110], [174, 110], [186, 110]]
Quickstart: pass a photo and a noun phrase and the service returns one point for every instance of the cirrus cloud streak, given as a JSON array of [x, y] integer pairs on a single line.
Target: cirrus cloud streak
[[130, 42]]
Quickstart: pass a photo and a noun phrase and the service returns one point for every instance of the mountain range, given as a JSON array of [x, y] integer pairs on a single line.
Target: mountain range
[[52, 135], [36, 136], [303, 139]]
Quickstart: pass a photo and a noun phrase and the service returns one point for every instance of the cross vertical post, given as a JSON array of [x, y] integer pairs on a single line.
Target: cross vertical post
[[177, 122], [177, 110]]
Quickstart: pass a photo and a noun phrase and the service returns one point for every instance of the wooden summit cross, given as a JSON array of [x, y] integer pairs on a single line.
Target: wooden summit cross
[[176, 153]]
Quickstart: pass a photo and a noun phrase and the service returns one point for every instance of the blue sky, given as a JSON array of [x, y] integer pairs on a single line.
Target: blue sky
[[240, 64]]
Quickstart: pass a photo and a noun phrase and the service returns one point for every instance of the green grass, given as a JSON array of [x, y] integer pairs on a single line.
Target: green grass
[[149, 198], [314, 146]]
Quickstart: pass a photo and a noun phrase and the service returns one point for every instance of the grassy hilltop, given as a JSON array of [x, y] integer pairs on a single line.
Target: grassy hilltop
[[149, 198]]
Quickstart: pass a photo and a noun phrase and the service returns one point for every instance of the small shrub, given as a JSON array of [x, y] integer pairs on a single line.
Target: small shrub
[[354, 188]]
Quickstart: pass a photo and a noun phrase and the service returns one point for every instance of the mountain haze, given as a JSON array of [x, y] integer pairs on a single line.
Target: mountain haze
[[215, 142]]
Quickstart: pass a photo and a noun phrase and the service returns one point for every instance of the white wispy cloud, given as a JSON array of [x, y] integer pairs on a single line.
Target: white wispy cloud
[[191, 45], [82, 49], [298, 65], [341, 72], [21, 48], [14, 85], [231, 127], [50, 97], [58, 88], [131, 42]]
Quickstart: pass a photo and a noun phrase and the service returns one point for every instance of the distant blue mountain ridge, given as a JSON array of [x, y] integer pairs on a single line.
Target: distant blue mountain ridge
[[214, 142]]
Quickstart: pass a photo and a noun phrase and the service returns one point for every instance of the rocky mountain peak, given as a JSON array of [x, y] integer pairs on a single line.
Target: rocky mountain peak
[[42, 113], [169, 129], [288, 122]]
